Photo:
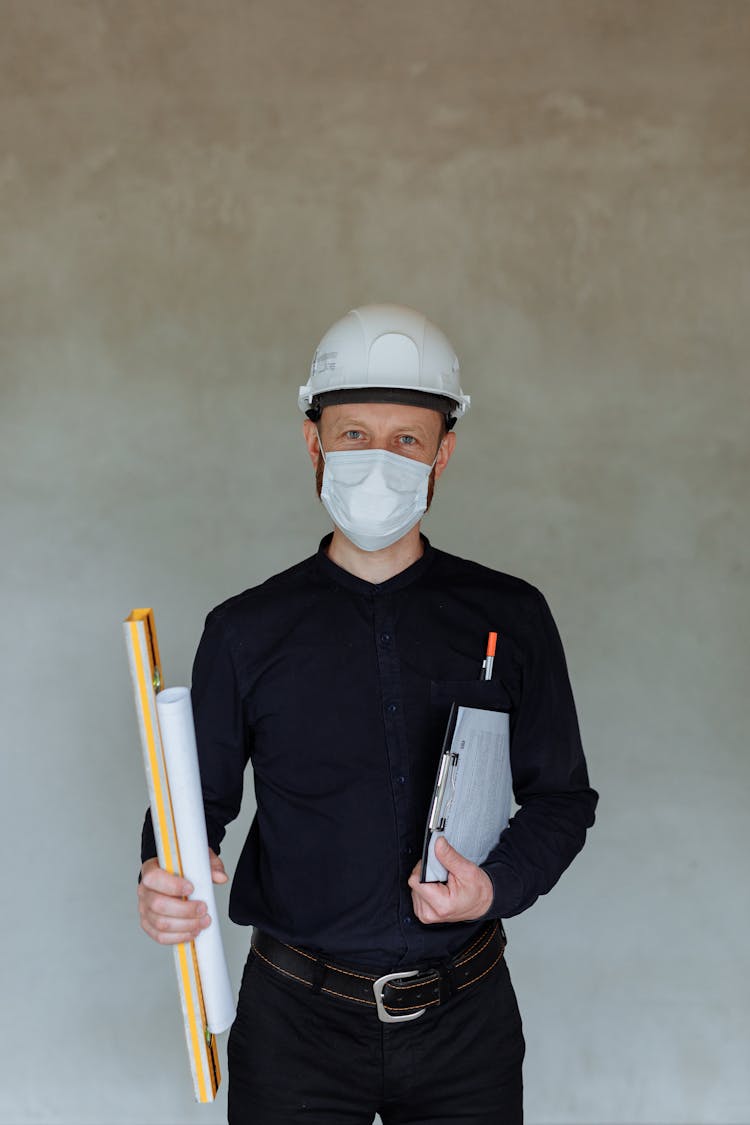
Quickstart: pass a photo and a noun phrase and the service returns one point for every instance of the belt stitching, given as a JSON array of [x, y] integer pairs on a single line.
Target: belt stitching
[[471, 953], [360, 976], [341, 995], [469, 957], [336, 968], [484, 974], [331, 991]]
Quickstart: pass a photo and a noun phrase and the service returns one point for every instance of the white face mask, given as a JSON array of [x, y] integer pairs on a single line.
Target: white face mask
[[373, 496]]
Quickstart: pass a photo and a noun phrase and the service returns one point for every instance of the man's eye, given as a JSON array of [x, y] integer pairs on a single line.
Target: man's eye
[[353, 435], [407, 439]]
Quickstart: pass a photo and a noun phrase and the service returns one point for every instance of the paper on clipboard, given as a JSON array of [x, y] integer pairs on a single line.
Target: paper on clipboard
[[473, 791]]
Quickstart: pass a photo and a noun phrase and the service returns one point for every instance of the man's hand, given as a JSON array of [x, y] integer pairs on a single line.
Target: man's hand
[[468, 893], [167, 915]]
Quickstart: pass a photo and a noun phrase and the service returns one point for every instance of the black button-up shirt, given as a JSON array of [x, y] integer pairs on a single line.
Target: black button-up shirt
[[338, 691]]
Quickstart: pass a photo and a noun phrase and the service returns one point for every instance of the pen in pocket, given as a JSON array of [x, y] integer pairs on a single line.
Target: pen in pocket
[[486, 673]]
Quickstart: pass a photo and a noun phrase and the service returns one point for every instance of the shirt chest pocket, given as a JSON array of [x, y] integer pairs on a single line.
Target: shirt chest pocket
[[490, 695]]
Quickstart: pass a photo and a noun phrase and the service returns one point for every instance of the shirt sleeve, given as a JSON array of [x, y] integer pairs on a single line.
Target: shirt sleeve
[[550, 779], [222, 735]]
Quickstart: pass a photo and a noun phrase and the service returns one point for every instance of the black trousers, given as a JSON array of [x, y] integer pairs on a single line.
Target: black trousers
[[299, 1057]]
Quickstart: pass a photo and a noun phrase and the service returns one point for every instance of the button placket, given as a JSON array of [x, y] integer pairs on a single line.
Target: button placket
[[398, 757]]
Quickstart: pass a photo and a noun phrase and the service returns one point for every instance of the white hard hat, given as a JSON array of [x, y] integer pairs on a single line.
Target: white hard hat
[[385, 353]]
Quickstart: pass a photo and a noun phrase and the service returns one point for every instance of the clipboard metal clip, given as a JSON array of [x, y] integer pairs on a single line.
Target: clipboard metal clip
[[445, 790]]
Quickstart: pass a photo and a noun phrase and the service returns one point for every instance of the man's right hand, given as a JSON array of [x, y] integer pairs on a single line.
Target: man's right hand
[[167, 915]]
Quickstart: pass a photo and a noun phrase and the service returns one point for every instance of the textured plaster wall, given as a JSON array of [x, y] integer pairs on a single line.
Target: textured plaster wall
[[189, 194]]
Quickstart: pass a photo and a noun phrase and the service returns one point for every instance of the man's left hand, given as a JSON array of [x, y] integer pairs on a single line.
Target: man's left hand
[[468, 894]]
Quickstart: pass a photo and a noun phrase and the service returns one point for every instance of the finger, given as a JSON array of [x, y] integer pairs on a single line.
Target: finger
[[431, 892], [218, 871], [424, 911], [451, 859], [170, 937], [413, 881], [432, 899], [420, 892], [163, 924], [157, 879], [156, 923], [172, 907]]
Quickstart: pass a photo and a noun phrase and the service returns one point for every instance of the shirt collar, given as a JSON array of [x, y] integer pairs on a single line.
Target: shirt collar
[[358, 585]]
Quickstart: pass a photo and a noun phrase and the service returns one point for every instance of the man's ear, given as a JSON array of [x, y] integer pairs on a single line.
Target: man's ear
[[445, 452], [310, 432]]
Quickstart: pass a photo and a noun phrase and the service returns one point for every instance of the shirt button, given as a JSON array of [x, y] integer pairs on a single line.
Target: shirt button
[[392, 707], [401, 779], [385, 637], [407, 920]]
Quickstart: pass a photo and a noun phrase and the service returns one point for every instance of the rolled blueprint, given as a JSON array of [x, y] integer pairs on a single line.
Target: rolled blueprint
[[181, 757]]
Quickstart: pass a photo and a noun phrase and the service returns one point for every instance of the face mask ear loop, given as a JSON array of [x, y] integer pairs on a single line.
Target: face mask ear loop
[[320, 445], [432, 466]]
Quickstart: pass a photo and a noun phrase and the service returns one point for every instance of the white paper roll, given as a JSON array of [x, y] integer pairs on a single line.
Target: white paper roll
[[181, 757]]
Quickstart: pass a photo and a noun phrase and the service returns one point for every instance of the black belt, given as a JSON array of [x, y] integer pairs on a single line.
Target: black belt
[[403, 995]]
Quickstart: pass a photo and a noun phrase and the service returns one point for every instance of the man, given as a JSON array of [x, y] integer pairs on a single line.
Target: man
[[335, 679]]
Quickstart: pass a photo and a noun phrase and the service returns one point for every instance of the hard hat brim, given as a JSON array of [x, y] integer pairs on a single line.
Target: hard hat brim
[[311, 402], [400, 395]]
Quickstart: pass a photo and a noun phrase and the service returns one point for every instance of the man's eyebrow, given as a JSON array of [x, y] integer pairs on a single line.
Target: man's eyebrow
[[352, 422]]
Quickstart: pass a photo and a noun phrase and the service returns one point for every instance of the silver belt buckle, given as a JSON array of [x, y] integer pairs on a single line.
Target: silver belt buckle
[[378, 987]]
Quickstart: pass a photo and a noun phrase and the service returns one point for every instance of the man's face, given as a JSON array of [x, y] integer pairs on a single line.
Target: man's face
[[409, 431]]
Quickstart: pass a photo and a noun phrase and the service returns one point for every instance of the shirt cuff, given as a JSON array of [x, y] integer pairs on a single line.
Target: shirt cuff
[[508, 890]]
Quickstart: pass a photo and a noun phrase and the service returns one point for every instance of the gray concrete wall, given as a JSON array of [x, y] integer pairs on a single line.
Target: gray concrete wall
[[189, 194]]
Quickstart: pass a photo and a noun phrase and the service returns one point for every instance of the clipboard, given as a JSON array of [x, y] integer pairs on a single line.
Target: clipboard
[[473, 791]]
